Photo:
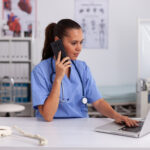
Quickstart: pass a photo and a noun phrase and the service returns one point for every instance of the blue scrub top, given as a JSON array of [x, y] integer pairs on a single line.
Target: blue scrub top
[[72, 105]]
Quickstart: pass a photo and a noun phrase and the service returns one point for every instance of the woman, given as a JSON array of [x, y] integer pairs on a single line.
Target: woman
[[59, 86]]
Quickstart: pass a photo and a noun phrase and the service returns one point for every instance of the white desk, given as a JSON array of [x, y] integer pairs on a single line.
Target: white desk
[[68, 134]]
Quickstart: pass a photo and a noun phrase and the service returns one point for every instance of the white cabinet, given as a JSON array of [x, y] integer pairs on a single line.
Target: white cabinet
[[16, 65]]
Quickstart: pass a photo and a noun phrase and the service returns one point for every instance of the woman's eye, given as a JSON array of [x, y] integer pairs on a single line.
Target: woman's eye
[[74, 43]]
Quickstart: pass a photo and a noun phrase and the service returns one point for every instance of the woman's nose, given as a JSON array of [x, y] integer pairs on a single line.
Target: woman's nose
[[79, 47]]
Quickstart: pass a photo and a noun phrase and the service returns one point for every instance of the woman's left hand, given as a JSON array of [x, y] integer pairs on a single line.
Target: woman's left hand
[[124, 119]]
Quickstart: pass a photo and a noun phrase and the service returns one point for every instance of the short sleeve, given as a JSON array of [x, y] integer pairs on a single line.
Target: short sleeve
[[39, 87], [92, 92]]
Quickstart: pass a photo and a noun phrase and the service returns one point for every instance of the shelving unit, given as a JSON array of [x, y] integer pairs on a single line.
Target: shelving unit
[[16, 63]]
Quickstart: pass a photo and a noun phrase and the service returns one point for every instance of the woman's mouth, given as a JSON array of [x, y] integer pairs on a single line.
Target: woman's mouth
[[76, 54]]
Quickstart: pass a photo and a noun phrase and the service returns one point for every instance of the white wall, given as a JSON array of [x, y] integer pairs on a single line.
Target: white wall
[[118, 64]]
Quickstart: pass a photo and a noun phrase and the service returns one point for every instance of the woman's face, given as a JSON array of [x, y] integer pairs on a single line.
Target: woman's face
[[73, 43]]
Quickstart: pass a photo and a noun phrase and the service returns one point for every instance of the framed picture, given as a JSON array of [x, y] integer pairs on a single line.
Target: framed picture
[[18, 18]]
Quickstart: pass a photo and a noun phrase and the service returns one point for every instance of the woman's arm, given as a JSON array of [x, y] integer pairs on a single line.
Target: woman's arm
[[104, 108], [50, 106]]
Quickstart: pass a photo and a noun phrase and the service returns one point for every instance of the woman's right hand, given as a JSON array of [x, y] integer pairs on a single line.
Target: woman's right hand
[[62, 66]]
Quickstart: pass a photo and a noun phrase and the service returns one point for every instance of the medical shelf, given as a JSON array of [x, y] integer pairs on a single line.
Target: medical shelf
[[16, 63]]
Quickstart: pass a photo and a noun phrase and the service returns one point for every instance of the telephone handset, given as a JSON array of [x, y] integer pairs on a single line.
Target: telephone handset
[[58, 46]]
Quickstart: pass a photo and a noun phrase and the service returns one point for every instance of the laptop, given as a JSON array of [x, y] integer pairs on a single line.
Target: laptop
[[114, 128]]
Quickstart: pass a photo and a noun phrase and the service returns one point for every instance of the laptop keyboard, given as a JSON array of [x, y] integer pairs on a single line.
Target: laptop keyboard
[[133, 129]]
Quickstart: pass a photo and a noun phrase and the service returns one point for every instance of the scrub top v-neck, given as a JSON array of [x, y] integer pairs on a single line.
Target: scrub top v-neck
[[70, 100]]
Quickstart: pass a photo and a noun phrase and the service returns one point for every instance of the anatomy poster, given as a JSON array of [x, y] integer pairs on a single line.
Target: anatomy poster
[[18, 18], [92, 15]]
